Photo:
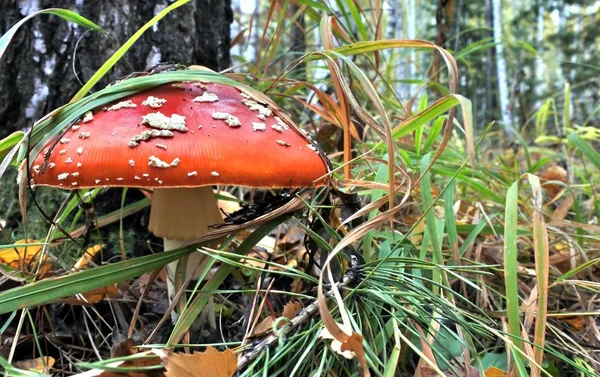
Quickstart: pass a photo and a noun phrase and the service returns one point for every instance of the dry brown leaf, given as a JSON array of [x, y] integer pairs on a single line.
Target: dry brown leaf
[[87, 257], [577, 323], [563, 209], [210, 363], [94, 296], [25, 257], [36, 364], [263, 327], [554, 173], [291, 309]]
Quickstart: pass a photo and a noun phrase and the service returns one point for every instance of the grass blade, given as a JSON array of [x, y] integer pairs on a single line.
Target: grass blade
[[510, 264]]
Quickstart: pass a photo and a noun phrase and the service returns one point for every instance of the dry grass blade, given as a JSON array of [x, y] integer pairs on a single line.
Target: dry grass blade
[[542, 270]]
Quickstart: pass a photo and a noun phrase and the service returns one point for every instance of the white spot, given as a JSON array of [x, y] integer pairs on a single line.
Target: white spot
[[49, 65], [158, 163], [256, 126], [192, 173], [113, 133], [261, 117], [231, 120], [312, 148], [121, 105], [154, 57], [119, 179], [88, 117], [162, 146], [146, 175], [178, 85], [76, 174], [51, 165], [62, 151], [163, 122], [206, 97], [39, 96], [277, 128], [214, 174], [154, 102], [148, 134], [199, 126], [200, 85], [79, 164], [75, 127], [160, 182], [255, 106], [62, 176], [36, 168], [131, 163], [73, 183], [97, 181], [68, 160], [136, 177], [282, 123], [64, 140], [79, 150], [84, 135], [284, 143], [244, 95]]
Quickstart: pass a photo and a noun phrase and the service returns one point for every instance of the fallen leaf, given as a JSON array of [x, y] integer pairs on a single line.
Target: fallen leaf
[[576, 322], [25, 257], [36, 364], [210, 363], [554, 173], [93, 296], [87, 257], [263, 327], [563, 209], [336, 345], [495, 372], [291, 309]]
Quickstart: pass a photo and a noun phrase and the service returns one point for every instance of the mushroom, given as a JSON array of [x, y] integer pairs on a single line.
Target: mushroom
[[180, 140]]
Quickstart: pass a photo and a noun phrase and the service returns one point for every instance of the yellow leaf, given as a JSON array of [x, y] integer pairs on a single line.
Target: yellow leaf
[[87, 257], [25, 258], [495, 372], [36, 364], [199, 364]]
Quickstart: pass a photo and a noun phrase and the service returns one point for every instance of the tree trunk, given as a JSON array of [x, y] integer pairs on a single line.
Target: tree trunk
[[48, 57], [39, 72], [501, 70]]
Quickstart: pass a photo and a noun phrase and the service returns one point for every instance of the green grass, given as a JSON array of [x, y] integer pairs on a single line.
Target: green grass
[[457, 234]]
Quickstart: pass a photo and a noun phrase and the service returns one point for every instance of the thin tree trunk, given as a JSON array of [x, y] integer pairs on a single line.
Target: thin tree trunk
[[501, 69]]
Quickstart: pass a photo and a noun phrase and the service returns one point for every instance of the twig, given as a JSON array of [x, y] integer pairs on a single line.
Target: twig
[[302, 316]]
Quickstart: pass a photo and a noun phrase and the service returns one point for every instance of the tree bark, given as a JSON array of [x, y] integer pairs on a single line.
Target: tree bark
[[501, 70], [48, 57], [40, 70]]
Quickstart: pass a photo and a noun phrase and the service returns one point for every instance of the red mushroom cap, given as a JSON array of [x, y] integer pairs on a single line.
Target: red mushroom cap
[[185, 134]]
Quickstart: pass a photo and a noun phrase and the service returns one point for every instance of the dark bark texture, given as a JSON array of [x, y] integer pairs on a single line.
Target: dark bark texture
[[40, 70]]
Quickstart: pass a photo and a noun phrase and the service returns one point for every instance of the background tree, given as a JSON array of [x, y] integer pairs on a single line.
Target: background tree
[[49, 57]]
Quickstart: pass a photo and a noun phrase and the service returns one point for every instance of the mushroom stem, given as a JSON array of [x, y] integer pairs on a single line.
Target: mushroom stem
[[178, 215]]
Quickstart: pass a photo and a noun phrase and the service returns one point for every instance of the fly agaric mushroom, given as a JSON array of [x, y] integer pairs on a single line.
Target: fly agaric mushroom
[[180, 139]]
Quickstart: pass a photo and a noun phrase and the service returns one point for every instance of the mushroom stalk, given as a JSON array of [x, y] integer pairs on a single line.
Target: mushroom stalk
[[178, 215]]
